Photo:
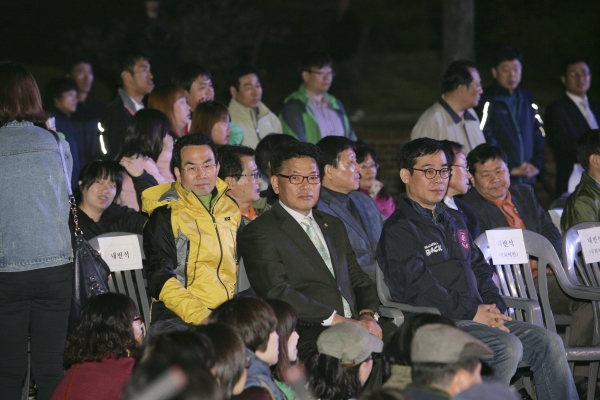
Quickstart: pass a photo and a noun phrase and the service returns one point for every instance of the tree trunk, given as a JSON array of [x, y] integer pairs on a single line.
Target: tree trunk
[[458, 32]]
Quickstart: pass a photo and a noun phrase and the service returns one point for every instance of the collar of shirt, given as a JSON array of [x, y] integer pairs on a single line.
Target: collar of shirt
[[295, 214], [455, 117], [449, 201], [577, 100], [324, 102], [439, 208], [341, 197]]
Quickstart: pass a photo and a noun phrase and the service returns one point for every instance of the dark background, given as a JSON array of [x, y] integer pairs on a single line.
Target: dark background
[[398, 59]]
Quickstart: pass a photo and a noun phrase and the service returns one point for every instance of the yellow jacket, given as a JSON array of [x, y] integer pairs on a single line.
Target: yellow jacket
[[190, 251]]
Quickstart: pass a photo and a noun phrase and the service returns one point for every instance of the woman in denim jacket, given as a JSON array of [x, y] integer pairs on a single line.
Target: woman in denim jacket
[[35, 244]]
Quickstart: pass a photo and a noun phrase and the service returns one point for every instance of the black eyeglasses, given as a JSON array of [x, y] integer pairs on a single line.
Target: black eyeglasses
[[430, 173], [254, 175], [298, 179]]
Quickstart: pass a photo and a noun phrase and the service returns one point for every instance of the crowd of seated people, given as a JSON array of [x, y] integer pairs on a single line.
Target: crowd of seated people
[[304, 211]]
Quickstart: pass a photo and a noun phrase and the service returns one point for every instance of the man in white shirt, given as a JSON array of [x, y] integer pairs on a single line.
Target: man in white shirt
[[246, 108], [452, 117], [569, 117]]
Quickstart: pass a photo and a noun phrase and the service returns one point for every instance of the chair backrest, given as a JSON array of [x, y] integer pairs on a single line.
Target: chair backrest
[[555, 214], [129, 282], [516, 280], [382, 290], [577, 270]]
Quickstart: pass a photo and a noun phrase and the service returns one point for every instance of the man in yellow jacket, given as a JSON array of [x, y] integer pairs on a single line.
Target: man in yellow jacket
[[190, 238]]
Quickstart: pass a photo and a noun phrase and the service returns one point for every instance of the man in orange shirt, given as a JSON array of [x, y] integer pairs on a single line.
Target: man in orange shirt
[[500, 204]]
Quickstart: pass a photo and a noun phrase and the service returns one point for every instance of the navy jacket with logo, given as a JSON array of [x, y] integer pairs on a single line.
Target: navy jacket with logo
[[434, 262]]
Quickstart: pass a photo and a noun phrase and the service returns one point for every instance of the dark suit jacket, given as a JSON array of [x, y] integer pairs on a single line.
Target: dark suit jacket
[[282, 263], [363, 240], [468, 215], [564, 124], [533, 216]]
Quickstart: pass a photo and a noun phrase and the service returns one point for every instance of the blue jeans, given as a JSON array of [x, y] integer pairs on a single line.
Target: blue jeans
[[539, 348]]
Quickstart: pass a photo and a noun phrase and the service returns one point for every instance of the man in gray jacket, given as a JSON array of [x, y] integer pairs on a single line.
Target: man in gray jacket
[[340, 197]]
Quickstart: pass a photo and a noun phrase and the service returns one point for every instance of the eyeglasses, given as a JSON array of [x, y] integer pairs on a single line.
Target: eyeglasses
[[461, 166], [578, 75], [298, 179], [323, 73], [370, 166], [430, 173], [254, 175], [248, 362], [194, 170]]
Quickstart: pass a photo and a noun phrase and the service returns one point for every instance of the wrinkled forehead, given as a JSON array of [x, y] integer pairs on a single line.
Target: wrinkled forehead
[[492, 164], [300, 165], [435, 160]]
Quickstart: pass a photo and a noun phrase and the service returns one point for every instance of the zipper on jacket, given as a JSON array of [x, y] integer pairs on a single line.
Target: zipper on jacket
[[210, 212]]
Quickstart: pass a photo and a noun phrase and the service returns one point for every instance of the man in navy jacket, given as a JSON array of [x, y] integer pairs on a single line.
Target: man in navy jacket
[[509, 118], [429, 259]]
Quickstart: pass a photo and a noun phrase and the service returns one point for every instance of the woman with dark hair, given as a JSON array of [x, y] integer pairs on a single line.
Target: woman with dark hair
[[231, 361], [170, 99], [344, 361], [255, 321], [36, 256], [140, 153], [98, 352], [288, 369], [366, 157], [99, 183], [396, 354], [212, 119]]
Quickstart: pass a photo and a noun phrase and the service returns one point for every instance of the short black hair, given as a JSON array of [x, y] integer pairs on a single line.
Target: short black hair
[[56, 87], [75, 61], [407, 155], [438, 374], [251, 317], [507, 53], [363, 150], [483, 153], [331, 147], [230, 160], [588, 144], [314, 59], [457, 74], [265, 147], [188, 73], [574, 60], [192, 139], [127, 63], [145, 134], [97, 171], [287, 151], [237, 73], [450, 148]]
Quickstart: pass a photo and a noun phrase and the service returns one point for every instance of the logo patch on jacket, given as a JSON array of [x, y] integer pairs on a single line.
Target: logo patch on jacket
[[463, 238], [432, 248]]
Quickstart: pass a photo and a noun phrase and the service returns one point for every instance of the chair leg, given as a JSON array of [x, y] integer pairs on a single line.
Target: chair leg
[[592, 379], [529, 386]]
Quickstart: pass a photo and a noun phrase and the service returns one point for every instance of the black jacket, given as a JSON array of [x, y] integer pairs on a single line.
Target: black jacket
[[469, 215], [115, 121], [519, 135], [564, 125], [434, 262], [533, 215]]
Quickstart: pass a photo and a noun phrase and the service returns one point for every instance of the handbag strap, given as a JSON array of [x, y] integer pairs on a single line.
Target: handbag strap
[[72, 202], [68, 391]]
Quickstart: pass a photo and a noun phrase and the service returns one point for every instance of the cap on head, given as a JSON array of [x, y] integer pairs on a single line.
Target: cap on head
[[348, 342], [439, 343]]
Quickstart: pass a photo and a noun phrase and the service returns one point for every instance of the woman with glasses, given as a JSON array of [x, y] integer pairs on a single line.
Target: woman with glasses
[[367, 160], [241, 174], [99, 351]]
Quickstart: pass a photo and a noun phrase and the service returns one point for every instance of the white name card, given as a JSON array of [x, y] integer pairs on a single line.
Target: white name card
[[121, 253], [590, 244], [508, 246]]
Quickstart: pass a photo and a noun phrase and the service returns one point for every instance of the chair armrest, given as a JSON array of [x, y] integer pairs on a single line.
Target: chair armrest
[[396, 315], [532, 309], [412, 309], [581, 292]]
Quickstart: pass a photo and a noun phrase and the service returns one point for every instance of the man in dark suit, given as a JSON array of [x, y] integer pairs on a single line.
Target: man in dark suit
[[500, 204], [340, 197], [570, 117], [303, 256]]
